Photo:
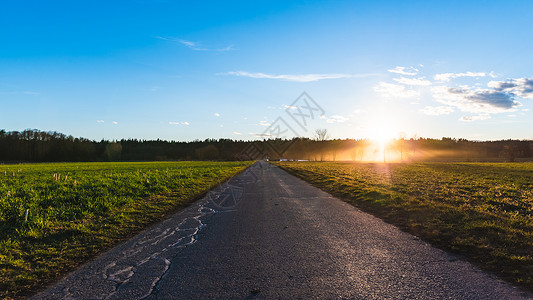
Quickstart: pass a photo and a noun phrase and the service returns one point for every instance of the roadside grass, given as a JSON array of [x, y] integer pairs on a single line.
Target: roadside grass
[[483, 211], [77, 210]]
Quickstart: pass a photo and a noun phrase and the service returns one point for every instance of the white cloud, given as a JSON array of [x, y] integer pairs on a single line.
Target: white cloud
[[297, 77], [521, 87], [100, 121], [394, 90], [237, 133], [413, 81], [115, 122], [404, 70], [475, 118], [448, 76], [336, 119], [264, 123], [217, 115], [290, 107], [179, 123], [499, 97], [476, 100], [437, 110]]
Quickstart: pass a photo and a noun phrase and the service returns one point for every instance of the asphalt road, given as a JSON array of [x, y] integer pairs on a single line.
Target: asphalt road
[[266, 234]]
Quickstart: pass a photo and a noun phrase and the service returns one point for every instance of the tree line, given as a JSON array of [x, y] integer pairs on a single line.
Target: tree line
[[45, 146]]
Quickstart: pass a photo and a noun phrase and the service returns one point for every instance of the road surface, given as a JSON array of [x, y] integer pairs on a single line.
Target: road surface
[[266, 234]]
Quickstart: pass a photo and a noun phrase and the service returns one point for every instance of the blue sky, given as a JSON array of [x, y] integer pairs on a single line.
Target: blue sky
[[184, 70]]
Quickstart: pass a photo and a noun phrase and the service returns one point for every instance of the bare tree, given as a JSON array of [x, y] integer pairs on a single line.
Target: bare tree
[[414, 140], [321, 135], [401, 144]]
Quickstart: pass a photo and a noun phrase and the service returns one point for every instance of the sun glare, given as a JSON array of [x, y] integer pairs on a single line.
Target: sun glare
[[381, 133]]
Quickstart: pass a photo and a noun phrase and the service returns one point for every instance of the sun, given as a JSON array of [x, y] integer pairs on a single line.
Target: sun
[[382, 133]]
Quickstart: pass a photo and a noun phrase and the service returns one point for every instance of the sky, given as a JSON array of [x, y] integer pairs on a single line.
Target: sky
[[186, 70]]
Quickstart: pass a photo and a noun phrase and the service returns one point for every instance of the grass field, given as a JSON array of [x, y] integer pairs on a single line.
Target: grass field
[[481, 210], [55, 216]]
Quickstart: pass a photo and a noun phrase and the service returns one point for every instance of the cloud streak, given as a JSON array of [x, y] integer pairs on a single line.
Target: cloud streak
[[404, 71], [20, 93], [413, 81], [448, 76], [292, 77], [195, 45]]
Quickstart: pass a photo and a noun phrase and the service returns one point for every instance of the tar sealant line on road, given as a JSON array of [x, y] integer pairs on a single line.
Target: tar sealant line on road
[[129, 271]]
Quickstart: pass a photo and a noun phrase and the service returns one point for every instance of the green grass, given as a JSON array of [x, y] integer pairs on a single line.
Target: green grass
[[77, 210], [481, 210]]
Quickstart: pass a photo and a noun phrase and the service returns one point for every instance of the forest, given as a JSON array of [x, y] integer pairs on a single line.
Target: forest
[[33, 145]]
